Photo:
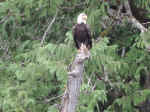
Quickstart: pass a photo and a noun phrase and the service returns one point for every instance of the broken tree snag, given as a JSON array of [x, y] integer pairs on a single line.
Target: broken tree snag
[[137, 24], [132, 19], [123, 10], [75, 77]]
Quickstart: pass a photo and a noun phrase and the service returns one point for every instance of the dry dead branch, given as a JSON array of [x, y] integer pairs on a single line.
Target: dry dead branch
[[48, 28], [75, 77]]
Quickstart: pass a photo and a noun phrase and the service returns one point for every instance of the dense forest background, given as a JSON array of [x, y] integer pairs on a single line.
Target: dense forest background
[[36, 47]]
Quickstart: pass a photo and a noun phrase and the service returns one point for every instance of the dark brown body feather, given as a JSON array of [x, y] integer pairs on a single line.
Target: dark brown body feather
[[82, 35]]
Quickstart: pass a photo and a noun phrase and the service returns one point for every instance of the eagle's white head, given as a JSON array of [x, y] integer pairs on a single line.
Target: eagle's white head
[[82, 18]]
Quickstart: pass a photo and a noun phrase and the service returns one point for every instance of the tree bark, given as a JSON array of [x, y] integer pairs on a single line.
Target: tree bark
[[75, 77]]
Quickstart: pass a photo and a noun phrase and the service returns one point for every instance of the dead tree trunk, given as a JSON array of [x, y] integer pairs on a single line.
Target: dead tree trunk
[[75, 77]]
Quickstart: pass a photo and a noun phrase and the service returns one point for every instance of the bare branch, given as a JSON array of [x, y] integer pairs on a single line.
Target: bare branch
[[132, 19], [4, 19], [137, 24], [106, 77], [146, 23], [48, 28], [123, 52], [128, 8], [75, 77], [118, 16], [53, 98], [73, 7]]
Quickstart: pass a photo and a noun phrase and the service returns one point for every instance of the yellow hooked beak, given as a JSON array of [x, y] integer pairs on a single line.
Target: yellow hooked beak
[[84, 17]]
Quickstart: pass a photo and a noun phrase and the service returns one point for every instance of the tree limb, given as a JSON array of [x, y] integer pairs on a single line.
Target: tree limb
[[3, 20], [132, 19], [48, 28], [73, 7], [75, 77], [137, 24], [118, 15]]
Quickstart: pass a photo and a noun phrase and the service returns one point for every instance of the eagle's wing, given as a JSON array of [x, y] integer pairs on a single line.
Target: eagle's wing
[[74, 36], [73, 31], [88, 29], [89, 36]]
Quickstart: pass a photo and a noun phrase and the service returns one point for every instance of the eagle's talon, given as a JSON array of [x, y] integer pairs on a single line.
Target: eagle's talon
[[79, 50]]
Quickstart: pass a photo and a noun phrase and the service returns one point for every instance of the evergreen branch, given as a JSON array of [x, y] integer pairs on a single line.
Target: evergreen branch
[[48, 28], [75, 77]]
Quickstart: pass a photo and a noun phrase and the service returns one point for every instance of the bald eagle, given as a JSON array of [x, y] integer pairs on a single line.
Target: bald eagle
[[81, 32]]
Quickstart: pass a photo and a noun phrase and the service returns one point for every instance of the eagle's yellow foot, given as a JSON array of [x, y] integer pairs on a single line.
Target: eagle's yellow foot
[[79, 50]]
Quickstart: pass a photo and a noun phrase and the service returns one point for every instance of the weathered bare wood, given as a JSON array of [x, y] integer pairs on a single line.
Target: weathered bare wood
[[123, 52], [2, 0], [132, 19], [75, 77], [118, 15], [137, 24], [3, 20]]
